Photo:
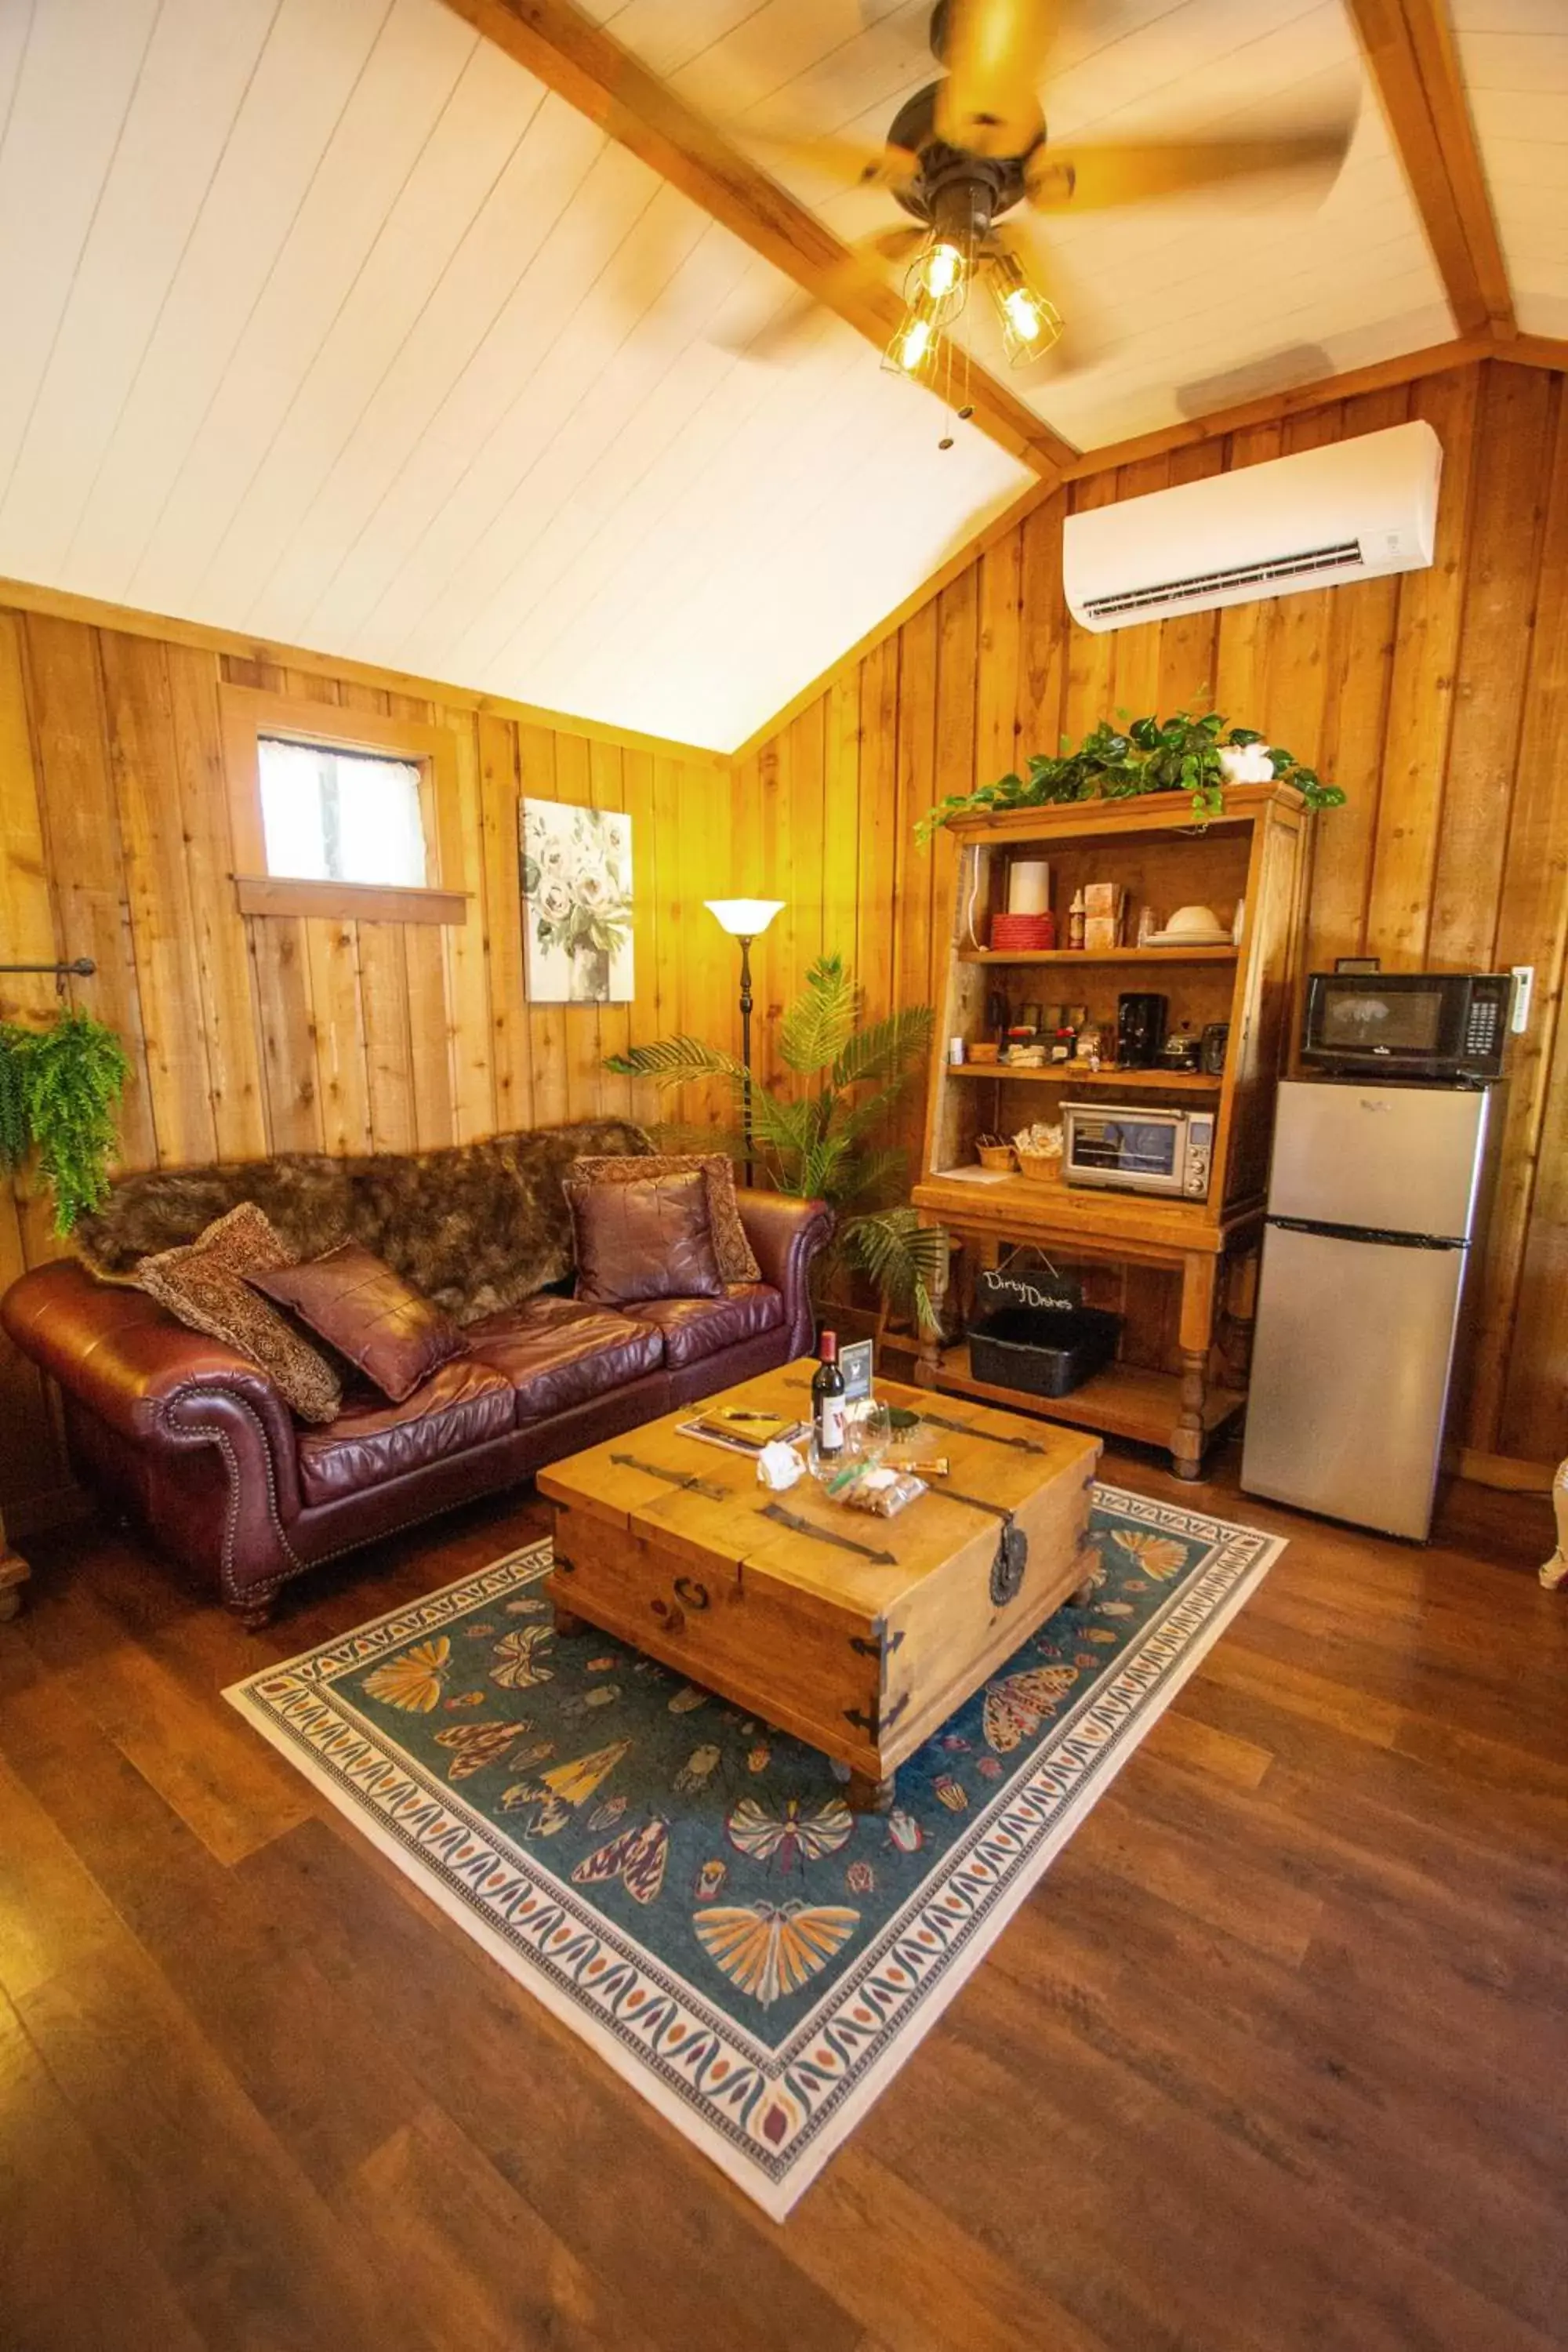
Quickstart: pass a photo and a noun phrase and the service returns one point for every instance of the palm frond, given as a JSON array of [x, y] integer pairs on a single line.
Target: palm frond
[[887, 1049], [869, 1111], [875, 1174], [689, 1135], [905, 1260], [672, 1060], [787, 1127], [819, 1023]]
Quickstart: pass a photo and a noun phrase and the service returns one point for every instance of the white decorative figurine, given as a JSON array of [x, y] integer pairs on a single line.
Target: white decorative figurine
[[1555, 1570]]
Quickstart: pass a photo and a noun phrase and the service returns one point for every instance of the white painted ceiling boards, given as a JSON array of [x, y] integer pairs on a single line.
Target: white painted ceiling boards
[[325, 321]]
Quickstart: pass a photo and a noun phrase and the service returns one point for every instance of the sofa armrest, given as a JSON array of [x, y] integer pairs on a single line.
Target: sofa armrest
[[146, 1377], [786, 1236]]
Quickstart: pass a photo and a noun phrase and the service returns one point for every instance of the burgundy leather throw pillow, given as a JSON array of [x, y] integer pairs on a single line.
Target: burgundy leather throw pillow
[[649, 1240], [359, 1306], [737, 1261]]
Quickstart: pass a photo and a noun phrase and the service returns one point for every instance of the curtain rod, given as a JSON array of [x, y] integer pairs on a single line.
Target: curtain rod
[[82, 969]]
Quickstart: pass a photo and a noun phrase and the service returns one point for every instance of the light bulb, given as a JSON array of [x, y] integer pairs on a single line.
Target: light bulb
[[1030, 323], [915, 345], [940, 270]]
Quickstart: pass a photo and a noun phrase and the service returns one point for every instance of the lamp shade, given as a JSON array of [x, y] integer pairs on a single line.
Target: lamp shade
[[744, 919]]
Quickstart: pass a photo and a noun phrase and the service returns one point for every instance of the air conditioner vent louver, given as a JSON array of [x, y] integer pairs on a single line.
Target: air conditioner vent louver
[[1355, 510], [1265, 575]]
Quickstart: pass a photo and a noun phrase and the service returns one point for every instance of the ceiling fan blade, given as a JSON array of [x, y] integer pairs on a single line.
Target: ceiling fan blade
[[995, 53], [863, 265], [857, 162], [1095, 175]]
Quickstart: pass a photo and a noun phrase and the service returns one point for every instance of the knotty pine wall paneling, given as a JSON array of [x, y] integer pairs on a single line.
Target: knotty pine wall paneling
[[1439, 700], [250, 1035]]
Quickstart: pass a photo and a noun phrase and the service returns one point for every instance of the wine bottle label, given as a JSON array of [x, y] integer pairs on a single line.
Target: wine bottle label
[[830, 1426]]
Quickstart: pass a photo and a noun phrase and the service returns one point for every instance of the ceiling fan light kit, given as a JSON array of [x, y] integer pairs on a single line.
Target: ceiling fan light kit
[[973, 144]]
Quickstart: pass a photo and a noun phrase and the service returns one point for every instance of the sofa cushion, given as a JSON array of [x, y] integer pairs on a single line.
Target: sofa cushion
[[557, 1353], [355, 1302], [730, 1247], [695, 1328], [649, 1240], [463, 1405], [207, 1284]]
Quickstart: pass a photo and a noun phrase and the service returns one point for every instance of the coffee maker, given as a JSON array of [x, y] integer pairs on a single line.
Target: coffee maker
[[1140, 1030]]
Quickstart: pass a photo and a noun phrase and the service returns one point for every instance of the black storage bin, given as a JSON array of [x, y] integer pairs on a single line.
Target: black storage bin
[[1043, 1350]]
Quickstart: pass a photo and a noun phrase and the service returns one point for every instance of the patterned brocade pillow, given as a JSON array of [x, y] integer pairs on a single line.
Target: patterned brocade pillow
[[730, 1247], [203, 1283]]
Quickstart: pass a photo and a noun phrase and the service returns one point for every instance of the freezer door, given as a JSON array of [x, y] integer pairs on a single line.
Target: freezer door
[[1350, 1377], [1399, 1158]]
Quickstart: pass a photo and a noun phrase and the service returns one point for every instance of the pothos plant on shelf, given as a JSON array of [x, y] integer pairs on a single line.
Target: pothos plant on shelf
[[59, 1090], [1197, 753], [818, 1142]]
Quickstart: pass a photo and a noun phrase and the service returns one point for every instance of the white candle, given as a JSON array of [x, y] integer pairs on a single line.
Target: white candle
[[1028, 886]]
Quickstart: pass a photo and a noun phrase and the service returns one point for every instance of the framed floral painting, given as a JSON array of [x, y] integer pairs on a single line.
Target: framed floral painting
[[578, 904]]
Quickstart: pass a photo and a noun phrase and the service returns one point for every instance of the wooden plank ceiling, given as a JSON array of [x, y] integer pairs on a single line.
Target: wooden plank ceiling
[[340, 326]]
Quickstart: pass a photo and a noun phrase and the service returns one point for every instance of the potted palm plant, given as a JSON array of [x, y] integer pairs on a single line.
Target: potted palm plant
[[819, 1140]]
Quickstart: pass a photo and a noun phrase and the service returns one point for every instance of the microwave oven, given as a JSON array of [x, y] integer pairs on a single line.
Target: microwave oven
[[1123, 1148], [1438, 1025]]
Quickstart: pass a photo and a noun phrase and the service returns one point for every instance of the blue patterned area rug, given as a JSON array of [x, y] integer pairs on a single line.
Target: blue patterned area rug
[[685, 1885]]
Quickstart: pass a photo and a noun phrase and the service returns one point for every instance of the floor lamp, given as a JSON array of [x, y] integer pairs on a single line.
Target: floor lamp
[[745, 919]]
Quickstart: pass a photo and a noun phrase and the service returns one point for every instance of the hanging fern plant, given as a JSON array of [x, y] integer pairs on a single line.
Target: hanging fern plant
[[59, 1091]]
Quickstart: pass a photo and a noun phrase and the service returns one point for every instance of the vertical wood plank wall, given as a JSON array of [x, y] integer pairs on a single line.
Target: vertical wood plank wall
[[1439, 701], [250, 1035]]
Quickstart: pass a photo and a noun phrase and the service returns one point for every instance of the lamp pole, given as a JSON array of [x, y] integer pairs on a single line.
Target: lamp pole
[[746, 1049]]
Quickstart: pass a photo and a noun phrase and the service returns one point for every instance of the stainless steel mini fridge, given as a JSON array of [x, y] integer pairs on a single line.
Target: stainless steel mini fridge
[[1372, 1204]]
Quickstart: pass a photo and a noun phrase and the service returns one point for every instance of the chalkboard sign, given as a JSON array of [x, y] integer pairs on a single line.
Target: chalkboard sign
[[1038, 1287]]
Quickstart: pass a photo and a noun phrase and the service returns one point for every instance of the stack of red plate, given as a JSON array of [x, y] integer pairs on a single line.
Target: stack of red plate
[[1018, 934]]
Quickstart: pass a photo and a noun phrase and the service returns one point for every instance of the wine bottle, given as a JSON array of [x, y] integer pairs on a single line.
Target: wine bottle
[[827, 1401]]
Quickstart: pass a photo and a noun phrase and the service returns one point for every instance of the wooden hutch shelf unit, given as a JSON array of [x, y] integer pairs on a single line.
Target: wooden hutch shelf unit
[[1251, 854]]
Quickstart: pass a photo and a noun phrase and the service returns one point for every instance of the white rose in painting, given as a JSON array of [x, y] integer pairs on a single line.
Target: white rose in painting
[[554, 900], [592, 886], [1245, 763]]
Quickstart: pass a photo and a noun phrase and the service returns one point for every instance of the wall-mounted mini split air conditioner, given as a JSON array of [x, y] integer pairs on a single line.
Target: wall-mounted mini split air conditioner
[[1351, 510]]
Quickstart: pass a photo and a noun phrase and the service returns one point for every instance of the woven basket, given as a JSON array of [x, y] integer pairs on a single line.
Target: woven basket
[[1040, 1167], [996, 1156]]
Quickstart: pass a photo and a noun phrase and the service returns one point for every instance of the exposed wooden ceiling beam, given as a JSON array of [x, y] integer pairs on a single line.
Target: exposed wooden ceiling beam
[[1410, 48], [570, 54]]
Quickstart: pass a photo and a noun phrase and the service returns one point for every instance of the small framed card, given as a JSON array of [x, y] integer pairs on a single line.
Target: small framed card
[[854, 1363]]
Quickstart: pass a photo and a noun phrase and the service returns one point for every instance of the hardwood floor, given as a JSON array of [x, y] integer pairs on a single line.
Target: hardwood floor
[[1275, 2057]]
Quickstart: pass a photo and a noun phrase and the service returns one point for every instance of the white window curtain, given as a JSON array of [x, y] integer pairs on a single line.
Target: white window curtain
[[341, 816]]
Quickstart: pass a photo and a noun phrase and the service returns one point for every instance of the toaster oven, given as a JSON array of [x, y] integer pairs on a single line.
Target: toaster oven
[[1124, 1148]]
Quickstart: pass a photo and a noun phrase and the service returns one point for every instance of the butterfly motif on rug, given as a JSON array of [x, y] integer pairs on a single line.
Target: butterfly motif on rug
[[1016, 1707], [475, 1745], [413, 1682], [770, 1950], [637, 1858], [791, 1835], [518, 1657], [1158, 1556]]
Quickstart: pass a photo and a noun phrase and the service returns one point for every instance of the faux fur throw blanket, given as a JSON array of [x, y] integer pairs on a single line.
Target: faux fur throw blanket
[[476, 1228]]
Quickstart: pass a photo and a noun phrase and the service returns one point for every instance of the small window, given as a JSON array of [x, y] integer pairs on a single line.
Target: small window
[[333, 815]]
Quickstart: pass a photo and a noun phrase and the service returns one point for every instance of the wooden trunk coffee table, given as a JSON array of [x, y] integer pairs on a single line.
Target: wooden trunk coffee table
[[858, 1635]]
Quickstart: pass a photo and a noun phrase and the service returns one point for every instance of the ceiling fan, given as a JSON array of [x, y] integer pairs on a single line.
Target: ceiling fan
[[964, 151]]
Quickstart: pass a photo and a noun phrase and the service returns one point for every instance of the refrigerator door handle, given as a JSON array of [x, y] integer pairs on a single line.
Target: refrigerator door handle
[[1370, 1234]]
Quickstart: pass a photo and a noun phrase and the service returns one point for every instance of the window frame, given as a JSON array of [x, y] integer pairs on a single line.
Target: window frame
[[249, 712]]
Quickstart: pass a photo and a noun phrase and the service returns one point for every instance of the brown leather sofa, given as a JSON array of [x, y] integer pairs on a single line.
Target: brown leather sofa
[[195, 1442]]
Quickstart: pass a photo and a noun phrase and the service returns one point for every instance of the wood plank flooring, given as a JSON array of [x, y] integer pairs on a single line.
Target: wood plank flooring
[[1274, 2058]]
